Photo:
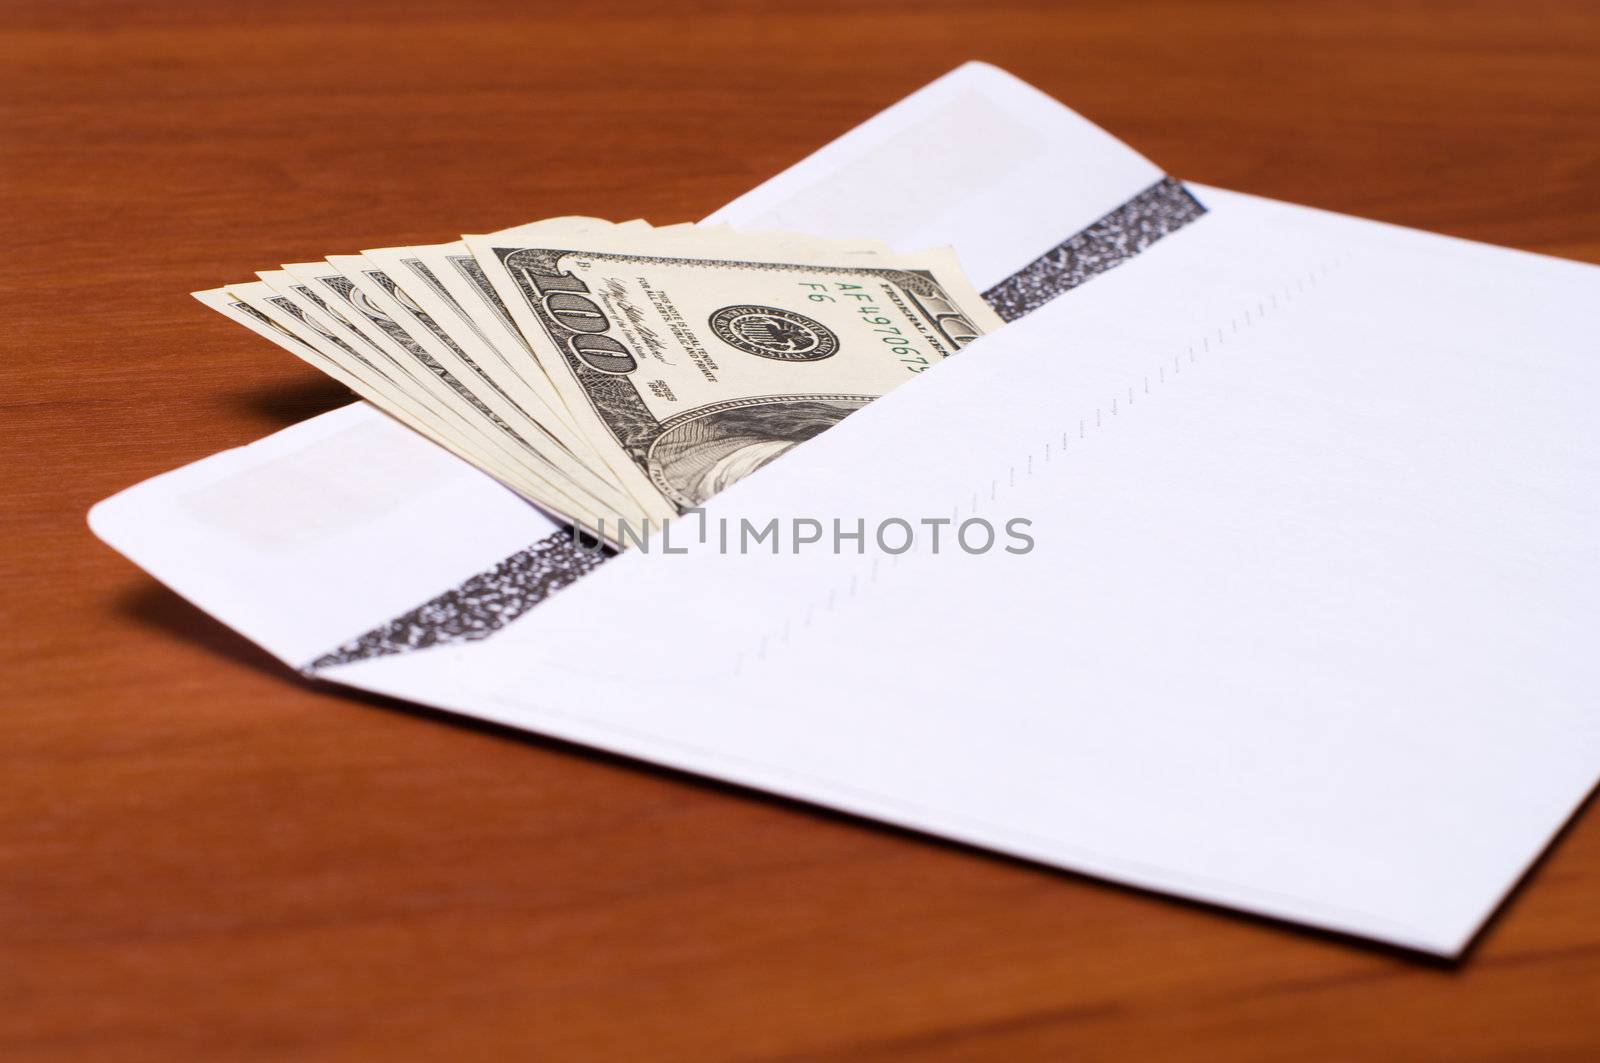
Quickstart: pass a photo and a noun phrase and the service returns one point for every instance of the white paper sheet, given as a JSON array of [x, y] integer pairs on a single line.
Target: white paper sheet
[[1303, 631]]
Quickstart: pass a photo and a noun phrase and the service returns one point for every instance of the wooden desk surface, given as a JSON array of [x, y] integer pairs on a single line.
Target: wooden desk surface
[[203, 857]]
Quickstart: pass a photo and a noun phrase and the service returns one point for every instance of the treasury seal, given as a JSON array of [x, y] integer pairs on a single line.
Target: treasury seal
[[772, 333]]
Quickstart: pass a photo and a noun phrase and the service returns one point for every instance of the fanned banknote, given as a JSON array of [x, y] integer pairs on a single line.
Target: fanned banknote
[[618, 374]]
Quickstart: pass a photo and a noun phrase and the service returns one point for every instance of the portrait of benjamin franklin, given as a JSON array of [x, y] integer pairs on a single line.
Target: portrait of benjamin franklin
[[700, 452]]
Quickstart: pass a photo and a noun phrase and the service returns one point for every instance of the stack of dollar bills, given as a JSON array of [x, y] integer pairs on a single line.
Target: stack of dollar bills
[[617, 374]]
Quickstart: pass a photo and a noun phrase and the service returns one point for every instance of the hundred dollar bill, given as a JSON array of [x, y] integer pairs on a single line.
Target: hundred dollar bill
[[357, 308], [689, 372], [500, 347], [443, 280], [332, 327], [298, 330], [384, 296]]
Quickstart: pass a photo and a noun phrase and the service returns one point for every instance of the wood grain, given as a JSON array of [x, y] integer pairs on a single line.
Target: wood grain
[[203, 857]]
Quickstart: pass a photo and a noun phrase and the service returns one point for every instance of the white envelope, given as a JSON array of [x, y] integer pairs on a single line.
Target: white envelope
[[1303, 510]]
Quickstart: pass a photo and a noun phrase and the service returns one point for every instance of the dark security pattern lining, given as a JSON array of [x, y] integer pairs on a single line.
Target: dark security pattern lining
[[1164, 207], [480, 606], [490, 600]]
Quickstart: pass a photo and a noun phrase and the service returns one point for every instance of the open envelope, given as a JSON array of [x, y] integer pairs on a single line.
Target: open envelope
[[1303, 621]]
